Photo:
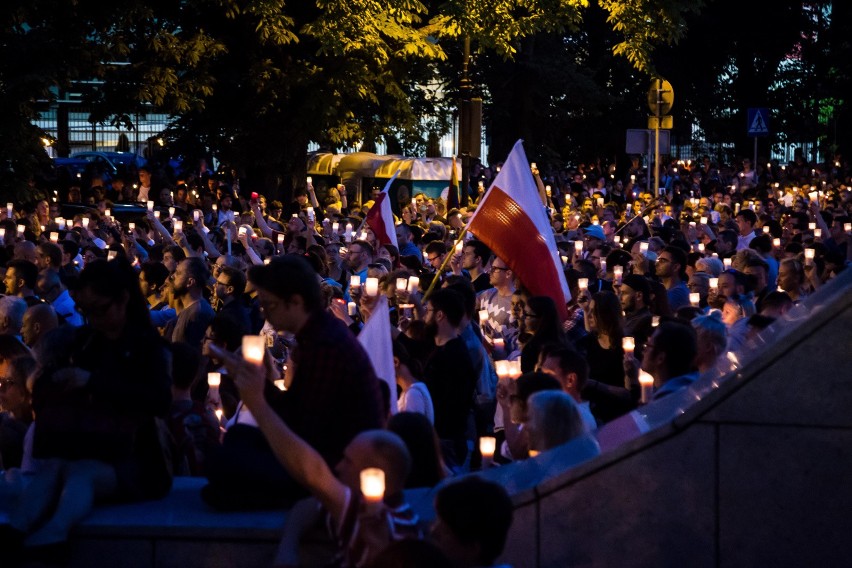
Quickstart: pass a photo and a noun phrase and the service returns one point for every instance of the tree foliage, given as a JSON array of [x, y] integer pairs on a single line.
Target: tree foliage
[[254, 80]]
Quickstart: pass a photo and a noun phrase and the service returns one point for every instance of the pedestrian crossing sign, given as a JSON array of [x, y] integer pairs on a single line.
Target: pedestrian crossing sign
[[758, 122]]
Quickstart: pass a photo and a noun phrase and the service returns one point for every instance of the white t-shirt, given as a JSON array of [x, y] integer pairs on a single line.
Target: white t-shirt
[[417, 399]]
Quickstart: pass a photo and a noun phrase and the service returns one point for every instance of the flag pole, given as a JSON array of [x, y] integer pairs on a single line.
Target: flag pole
[[440, 271]]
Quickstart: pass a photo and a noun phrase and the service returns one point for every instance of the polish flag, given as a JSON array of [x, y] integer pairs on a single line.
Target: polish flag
[[512, 222], [376, 339], [380, 217]]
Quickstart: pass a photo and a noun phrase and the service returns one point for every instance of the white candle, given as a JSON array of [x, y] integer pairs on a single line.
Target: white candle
[[157, 214], [402, 283], [10, 210], [280, 384], [215, 208], [214, 380], [776, 243], [254, 347], [766, 229], [413, 283], [407, 310], [487, 446], [714, 283], [811, 226], [583, 283], [564, 260], [655, 321], [334, 227], [131, 226], [502, 369], [371, 287], [107, 213], [310, 179], [111, 255], [196, 215], [150, 206], [354, 281], [817, 233], [847, 227], [280, 238], [363, 235], [60, 222], [85, 222], [483, 317], [603, 266], [310, 212], [179, 226], [701, 247], [643, 247], [628, 344], [726, 262], [352, 309], [2, 233], [618, 273], [578, 246], [54, 237], [171, 211], [373, 484], [694, 299], [21, 229], [809, 255], [646, 382], [703, 220]]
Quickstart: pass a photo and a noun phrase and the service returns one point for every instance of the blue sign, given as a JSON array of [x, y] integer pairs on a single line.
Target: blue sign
[[758, 122]]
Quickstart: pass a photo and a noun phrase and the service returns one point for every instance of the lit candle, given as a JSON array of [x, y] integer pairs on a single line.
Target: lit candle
[[655, 321], [643, 247], [334, 227], [413, 283], [85, 222], [2, 233], [280, 384], [603, 266], [817, 233], [499, 344], [352, 308], [578, 246], [371, 287], [60, 222], [363, 236], [646, 382], [214, 380], [157, 214], [487, 446], [150, 206], [483, 317], [776, 243], [171, 211], [809, 255], [694, 299], [111, 255], [179, 226], [196, 215], [618, 273], [502, 369], [373, 484], [766, 229], [215, 208], [310, 212], [21, 229], [583, 283], [714, 283], [10, 210], [628, 344], [280, 238], [547, 190], [54, 237], [402, 283], [407, 310], [131, 226], [219, 414], [354, 282], [617, 239], [534, 453], [701, 247], [811, 226], [703, 220], [254, 347], [564, 260], [847, 227], [726, 262]]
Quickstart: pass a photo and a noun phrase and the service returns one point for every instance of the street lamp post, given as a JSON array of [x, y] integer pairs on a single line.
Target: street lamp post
[[465, 89]]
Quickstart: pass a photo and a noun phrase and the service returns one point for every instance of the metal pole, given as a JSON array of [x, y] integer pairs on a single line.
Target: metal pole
[[754, 163], [465, 124]]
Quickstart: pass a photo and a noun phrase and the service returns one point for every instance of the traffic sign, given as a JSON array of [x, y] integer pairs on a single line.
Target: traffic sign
[[758, 122], [665, 122], [660, 97]]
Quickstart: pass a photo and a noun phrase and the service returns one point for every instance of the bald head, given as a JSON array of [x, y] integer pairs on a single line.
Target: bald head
[[386, 451], [38, 320]]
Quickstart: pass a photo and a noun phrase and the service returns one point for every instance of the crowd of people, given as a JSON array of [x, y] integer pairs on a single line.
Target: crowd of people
[[215, 335]]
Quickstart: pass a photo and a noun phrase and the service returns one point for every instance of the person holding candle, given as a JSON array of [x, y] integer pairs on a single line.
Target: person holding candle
[[497, 302], [333, 395], [669, 357], [359, 257], [553, 419], [572, 371], [512, 397], [634, 294], [360, 527], [541, 320]]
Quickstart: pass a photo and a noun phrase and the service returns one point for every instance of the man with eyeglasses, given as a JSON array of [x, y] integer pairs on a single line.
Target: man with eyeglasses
[[359, 256], [497, 302]]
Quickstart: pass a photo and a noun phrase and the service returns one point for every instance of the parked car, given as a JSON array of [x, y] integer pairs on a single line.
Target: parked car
[[109, 164]]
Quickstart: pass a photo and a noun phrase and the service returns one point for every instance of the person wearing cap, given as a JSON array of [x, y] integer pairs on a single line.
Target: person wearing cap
[[592, 233]]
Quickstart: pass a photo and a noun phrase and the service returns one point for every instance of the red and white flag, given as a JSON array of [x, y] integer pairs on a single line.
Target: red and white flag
[[376, 339], [512, 222], [380, 217]]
